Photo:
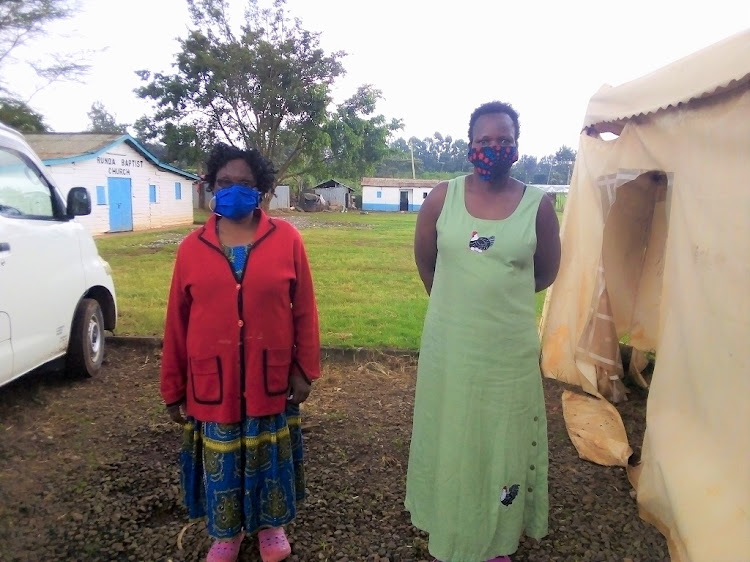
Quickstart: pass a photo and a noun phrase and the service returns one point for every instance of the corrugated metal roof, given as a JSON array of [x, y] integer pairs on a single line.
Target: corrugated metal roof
[[398, 182], [62, 148], [67, 145], [332, 183], [548, 188]]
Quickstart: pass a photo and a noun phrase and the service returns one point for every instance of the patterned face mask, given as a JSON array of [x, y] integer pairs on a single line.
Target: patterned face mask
[[491, 162]]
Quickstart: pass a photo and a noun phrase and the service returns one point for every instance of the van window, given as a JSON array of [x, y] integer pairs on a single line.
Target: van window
[[24, 193]]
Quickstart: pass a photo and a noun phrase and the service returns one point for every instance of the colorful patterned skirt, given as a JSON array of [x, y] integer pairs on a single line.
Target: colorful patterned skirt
[[243, 476]]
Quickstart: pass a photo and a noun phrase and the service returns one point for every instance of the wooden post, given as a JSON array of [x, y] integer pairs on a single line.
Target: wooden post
[[413, 173]]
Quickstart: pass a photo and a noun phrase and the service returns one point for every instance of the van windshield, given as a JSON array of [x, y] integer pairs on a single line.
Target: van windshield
[[24, 193]]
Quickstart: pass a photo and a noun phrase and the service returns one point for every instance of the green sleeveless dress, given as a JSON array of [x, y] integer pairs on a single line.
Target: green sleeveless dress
[[477, 476]]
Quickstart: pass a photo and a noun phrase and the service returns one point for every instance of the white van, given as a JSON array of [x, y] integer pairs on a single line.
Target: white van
[[56, 294]]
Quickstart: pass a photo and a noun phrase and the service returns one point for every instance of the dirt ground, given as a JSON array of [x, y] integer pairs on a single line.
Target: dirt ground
[[88, 471]]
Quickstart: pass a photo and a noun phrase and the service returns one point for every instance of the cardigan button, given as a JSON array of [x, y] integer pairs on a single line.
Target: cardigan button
[[240, 323], [238, 287]]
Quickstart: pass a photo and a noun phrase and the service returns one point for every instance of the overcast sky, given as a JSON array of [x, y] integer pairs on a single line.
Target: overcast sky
[[434, 62]]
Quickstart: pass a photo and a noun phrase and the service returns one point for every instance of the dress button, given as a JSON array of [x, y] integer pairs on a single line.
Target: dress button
[[531, 490], [533, 443], [536, 418], [240, 323], [532, 467]]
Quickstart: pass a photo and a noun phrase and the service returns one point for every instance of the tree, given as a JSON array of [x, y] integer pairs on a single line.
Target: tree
[[177, 144], [565, 157], [397, 161], [440, 156], [358, 139], [23, 21], [21, 117], [267, 87], [433, 155], [102, 121], [525, 168]]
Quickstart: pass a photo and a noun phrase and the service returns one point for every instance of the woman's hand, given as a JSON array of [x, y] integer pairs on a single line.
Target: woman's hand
[[299, 389], [177, 413]]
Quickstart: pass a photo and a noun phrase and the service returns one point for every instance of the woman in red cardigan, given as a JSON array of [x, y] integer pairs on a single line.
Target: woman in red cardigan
[[241, 349]]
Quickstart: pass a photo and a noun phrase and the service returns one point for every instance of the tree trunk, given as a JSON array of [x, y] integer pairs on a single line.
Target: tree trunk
[[265, 202]]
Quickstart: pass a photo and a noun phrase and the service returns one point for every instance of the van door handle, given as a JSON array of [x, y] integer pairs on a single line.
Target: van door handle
[[4, 247]]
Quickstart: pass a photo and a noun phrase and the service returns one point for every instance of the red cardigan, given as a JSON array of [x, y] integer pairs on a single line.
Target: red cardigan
[[210, 316]]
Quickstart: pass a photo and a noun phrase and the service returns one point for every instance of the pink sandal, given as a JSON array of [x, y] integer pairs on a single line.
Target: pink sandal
[[496, 559], [225, 551], [274, 546]]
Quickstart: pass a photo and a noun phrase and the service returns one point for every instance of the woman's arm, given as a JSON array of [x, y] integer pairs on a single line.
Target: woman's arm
[[173, 376], [547, 255], [425, 234], [305, 316]]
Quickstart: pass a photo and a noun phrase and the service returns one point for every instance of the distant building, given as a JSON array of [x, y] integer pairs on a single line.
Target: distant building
[[395, 194], [130, 188], [552, 188], [335, 193], [556, 193], [202, 197], [280, 199]]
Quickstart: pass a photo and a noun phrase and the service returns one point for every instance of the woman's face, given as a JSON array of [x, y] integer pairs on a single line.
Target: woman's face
[[495, 130], [234, 172]]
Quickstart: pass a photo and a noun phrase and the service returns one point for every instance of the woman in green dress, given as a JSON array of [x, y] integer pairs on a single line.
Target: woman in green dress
[[484, 245]]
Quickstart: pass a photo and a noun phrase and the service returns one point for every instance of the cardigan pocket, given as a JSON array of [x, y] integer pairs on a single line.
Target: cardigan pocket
[[276, 365], [207, 380]]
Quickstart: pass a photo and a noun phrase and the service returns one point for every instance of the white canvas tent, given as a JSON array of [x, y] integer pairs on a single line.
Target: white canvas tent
[[656, 245]]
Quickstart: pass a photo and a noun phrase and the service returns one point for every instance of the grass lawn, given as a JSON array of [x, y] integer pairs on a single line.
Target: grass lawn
[[367, 287]]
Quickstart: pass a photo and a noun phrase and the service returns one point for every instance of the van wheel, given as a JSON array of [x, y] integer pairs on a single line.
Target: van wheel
[[86, 347]]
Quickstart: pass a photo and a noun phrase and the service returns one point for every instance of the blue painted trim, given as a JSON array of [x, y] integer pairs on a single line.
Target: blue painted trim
[[152, 193], [124, 138], [380, 206], [101, 197], [177, 190], [392, 207]]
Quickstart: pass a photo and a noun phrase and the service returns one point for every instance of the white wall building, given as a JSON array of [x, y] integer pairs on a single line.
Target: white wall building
[[335, 193], [130, 188], [280, 199], [395, 194], [202, 197]]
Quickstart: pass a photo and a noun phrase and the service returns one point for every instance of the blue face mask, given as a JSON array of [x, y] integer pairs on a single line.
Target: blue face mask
[[236, 201]]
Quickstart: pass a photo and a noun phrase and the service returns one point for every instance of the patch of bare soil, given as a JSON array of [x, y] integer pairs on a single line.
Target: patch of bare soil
[[88, 471], [310, 220]]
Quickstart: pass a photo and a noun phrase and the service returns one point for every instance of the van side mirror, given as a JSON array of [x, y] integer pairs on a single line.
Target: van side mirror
[[79, 202]]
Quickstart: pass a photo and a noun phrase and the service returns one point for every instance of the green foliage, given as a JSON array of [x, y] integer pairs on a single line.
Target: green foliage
[[358, 139], [442, 154], [102, 121], [178, 144], [435, 156], [267, 86], [21, 117], [553, 169], [360, 302], [21, 22], [437, 175], [439, 157]]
